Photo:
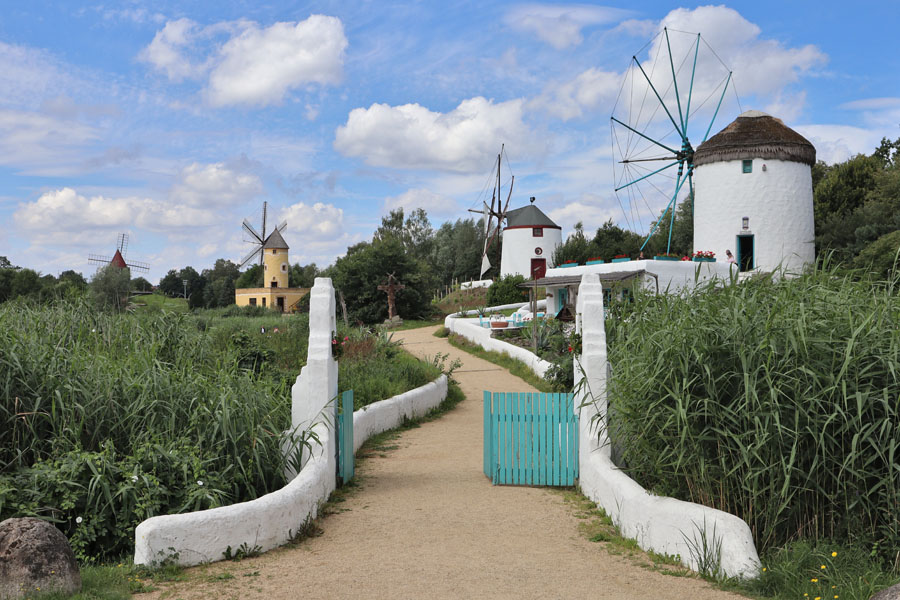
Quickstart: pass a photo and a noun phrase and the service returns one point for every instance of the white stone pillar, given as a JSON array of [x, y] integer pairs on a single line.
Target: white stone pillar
[[313, 395], [591, 369]]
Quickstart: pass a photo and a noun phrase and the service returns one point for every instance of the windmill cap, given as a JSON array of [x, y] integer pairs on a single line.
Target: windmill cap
[[529, 216], [275, 241], [755, 134]]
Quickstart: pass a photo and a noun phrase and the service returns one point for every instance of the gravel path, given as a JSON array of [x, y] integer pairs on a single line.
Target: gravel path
[[427, 523]]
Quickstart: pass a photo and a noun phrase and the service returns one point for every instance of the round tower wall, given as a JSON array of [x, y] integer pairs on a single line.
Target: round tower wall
[[776, 196], [277, 267], [520, 246]]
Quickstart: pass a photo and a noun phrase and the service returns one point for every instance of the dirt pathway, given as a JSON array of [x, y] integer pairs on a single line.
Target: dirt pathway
[[427, 523]]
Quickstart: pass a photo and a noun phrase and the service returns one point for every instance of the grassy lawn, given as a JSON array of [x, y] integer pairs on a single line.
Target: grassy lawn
[[160, 302]]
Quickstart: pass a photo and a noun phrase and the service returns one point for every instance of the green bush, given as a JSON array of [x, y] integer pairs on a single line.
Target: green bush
[[506, 291], [776, 401]]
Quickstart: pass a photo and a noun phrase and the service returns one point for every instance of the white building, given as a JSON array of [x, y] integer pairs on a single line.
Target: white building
[[753, 194], [529, 239]]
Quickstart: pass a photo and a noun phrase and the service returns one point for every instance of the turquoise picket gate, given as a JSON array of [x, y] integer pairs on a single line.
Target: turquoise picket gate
[[530, 438], [344, 418]]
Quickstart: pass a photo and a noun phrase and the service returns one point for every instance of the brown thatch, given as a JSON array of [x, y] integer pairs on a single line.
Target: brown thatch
[[756, 135]]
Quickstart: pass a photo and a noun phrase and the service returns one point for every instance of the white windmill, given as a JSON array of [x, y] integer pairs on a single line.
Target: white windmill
[[493, 216]]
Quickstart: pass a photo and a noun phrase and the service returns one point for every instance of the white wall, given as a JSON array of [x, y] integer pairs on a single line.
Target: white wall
[[779, 202], [661, 524], [519, 248], [472, 331]]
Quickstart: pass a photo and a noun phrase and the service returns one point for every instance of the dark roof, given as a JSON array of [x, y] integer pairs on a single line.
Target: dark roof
[[275, 241], [528, 216], [755, 134], [573, 279]]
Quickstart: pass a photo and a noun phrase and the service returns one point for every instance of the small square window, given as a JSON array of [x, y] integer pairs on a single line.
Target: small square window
[[537, 232], [747, 166], [252, 301]]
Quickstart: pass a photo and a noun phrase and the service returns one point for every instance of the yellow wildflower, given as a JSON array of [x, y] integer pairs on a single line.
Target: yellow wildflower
[[822, 567], [814, 580], [833, 554]]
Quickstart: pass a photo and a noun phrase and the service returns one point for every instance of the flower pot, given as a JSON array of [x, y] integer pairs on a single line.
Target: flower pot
[[666, 258], [621, 259], [595, 262], [568, 265], [703, 259], [499, 324]]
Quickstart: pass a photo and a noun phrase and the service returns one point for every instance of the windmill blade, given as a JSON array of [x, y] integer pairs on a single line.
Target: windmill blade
[[249, 229], [282, 226], [138, 266], [488, 212], [506, 206], [485, 265], [246, 260], [122, 245], [97, 258]]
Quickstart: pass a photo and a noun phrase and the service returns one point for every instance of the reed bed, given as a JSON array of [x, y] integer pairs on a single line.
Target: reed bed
[[776, 401]]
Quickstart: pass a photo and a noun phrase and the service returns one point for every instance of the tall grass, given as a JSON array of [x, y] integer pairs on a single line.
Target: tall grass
[[106, 420], [773, 400]]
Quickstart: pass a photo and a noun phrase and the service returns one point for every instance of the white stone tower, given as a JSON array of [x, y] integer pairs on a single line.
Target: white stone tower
[[753, 194], [529, 239]]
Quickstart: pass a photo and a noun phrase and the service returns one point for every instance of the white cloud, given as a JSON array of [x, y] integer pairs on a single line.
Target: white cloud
[[591, 210], [255, 66], [259, 66], [836, 143], [412, 137], [433, 203], [872, 104], [761, 66], [317, 222], [214, 185], [65, 215], [560, 25], [167, 51], [40, 144], [589, 91]]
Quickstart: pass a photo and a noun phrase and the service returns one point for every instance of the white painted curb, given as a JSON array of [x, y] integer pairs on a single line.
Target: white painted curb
[[271, 520]]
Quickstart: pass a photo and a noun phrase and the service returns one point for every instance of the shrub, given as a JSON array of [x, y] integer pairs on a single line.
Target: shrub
[[506, 291], [776, 401]]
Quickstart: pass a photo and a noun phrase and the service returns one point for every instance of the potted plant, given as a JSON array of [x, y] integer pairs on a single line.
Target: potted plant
[[667, 256], [569, 263], [595, 261], [704, 256], [621, 258]]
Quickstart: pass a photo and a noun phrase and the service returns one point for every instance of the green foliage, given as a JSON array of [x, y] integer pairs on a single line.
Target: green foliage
[[218, 284], [506, 290], [114, 418], [110, 287], [795, 571], [609, 241], [359, 273], [303, 276], [456, 251], [882, 256], [251, 278], [772, 400], [844, 187]]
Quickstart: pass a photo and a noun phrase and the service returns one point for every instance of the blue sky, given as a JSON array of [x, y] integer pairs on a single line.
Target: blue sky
[[172, 121]]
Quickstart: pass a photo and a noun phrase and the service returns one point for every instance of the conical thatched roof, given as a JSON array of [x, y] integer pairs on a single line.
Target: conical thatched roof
[[755, 134]]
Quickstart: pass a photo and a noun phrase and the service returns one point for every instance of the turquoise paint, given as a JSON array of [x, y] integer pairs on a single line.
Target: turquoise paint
[[530, 439], [346, 467]]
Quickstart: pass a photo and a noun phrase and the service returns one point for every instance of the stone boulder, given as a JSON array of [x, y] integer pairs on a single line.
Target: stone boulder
[[891, 593], [35, 557]]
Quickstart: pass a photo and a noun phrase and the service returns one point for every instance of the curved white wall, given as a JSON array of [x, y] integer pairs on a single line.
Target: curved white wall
[[779, 202], [271, 520], [519, 246], [472, 331]]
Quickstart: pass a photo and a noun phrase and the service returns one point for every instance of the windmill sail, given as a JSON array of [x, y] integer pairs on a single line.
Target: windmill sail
[[258, 239]]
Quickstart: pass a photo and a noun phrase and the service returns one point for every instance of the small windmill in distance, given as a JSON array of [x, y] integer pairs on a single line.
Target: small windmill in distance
[[491, 213], [118, 259], [258, 239]]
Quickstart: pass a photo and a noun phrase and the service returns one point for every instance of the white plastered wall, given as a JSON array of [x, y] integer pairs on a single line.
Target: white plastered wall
[[474, 332], [519, 246], [778, 201], [661, 524]]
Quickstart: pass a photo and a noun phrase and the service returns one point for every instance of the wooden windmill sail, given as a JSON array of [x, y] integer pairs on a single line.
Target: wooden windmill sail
[[258, 239], [493, 216], [118, 259]]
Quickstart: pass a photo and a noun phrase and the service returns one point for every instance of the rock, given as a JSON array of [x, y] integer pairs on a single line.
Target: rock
[[35, 557], [891, 593]]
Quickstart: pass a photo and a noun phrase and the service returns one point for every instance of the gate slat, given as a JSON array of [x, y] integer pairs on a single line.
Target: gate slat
[[556, 440], [486, 433], [521, 456], [529, 431], [546, 457], [495, 448], [573, 445], [514, 438]]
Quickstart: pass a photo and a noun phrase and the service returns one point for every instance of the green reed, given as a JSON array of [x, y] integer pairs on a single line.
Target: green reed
[[775, 400]]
